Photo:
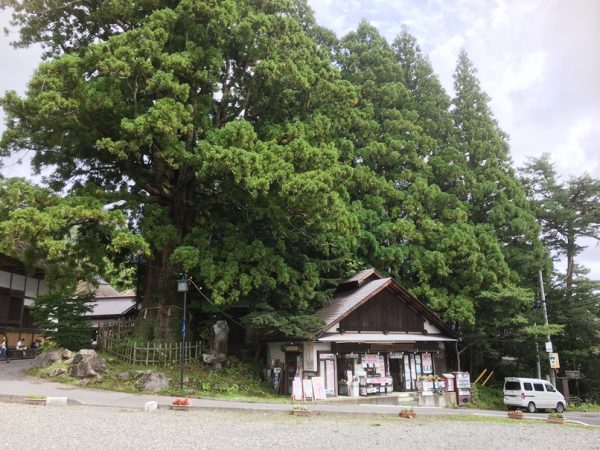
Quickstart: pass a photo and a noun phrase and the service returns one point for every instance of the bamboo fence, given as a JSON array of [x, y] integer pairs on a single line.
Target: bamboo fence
[[115, 339]]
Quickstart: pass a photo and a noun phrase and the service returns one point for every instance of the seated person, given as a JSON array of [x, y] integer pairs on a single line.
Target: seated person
[[21, 346]]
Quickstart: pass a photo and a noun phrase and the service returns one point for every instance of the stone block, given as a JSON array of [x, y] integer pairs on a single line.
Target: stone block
[[56, 401], [150, 406]]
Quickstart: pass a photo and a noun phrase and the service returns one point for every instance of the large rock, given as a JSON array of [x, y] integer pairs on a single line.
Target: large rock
[[153, 381], [56, 371], [87, 364], [48, 358]]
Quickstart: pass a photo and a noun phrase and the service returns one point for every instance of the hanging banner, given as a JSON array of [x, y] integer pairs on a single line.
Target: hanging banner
[[427, 364], [554, 364]]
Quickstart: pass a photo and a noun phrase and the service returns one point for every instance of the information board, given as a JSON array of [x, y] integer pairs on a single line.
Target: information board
[[308, 389], [318, 388], [427, 363], [297, 389]]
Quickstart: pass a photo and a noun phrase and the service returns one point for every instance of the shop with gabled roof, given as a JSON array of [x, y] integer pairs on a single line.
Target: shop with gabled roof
[[374, 331]]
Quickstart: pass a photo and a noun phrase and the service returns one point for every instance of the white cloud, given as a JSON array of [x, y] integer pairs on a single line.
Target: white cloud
[[572, 155]]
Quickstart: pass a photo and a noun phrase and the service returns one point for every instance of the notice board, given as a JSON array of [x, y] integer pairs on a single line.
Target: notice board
[[318, 388]]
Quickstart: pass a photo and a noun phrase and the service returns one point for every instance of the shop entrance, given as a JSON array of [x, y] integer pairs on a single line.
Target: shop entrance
[[396, 373], [293, 367], [404, 369]]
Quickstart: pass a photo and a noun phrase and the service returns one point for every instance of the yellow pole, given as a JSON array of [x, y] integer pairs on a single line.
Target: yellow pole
[[479, 377], [488, 378]]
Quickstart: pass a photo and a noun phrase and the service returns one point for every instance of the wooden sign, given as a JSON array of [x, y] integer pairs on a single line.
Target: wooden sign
[[308, 389], [318, 388], [297, 389]]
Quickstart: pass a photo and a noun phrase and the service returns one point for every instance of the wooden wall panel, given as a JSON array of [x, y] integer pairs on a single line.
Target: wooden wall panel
[[384, 312]]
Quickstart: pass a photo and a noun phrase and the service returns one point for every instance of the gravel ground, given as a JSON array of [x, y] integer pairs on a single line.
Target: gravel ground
[[76, 427]]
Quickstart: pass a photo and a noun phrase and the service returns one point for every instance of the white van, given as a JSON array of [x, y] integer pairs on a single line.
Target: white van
[[532, 394]]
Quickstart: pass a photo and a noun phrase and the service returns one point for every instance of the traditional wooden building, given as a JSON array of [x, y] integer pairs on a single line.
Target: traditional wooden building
[[108, 304], [377, 338], [18, 290]]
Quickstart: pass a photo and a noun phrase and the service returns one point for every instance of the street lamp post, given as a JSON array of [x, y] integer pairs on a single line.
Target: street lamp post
[[182, 286]]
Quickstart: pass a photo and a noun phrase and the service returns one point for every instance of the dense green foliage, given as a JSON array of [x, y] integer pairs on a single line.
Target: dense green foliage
[[267, 158], [570, 211], [70, 239]]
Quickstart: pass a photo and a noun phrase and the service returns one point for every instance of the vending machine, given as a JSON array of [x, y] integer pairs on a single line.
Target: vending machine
[[463, 387]]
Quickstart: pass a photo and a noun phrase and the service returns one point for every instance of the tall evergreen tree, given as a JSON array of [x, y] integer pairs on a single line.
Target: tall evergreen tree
[[209, 123], [568, 211]]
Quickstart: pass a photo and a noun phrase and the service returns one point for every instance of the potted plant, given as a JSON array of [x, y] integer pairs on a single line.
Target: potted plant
[[35, 400], [515, 414], [300, 410], [408, 413], [556, 418], [181, 404]]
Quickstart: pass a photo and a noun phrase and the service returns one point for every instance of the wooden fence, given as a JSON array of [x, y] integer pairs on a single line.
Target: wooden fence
[[156, 353], [115, 338], [113, 332]]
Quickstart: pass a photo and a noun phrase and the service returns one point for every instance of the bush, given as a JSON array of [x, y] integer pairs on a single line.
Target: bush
[[484, 397]]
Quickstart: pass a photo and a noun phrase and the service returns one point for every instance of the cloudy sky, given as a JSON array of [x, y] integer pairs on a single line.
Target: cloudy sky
[[539, 60]]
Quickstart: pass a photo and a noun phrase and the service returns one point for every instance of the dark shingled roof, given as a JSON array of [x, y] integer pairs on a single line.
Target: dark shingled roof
[[346, 301], [361, 287]]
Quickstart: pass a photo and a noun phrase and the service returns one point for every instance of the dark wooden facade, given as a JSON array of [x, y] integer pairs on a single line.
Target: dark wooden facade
[[385, 312], [18, 289]]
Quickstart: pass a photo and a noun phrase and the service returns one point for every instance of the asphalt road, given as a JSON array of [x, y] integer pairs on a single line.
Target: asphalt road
[[15, 385]]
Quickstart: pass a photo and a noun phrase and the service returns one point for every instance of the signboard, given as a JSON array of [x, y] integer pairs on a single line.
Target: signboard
[[396, 355], [297, 389], [276, 380], [554, 363], [549, 347], [573, 374], [463, 380], [427, 364], [370, 359], [310, 357], [308, 389], [290, 348], [318, 388]]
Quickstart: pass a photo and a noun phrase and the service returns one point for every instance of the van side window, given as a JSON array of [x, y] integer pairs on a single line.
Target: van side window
[[550, 388], [512, 386], [538, 387], [527, 387]]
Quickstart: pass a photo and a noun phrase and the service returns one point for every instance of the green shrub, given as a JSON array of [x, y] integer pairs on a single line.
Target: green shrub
[[485, 397]]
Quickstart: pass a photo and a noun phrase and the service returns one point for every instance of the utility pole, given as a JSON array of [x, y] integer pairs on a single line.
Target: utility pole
[[537, 357], [543, 298]]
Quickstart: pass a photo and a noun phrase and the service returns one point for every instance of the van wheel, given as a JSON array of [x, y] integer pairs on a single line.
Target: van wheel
[[531, 407], [560, 407]]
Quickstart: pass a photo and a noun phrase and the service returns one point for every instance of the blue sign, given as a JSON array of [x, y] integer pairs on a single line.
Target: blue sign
[[183, 329]]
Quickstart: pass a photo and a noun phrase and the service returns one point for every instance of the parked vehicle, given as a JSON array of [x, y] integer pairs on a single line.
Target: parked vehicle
[[532, 394]]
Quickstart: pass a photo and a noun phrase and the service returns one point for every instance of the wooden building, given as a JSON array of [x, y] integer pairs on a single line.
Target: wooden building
[[108, 305], [18, 290], [377, 337]]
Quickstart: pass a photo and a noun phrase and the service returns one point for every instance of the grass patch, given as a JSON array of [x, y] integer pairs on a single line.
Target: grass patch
[[485, 397], [585, 407], [237, 380]]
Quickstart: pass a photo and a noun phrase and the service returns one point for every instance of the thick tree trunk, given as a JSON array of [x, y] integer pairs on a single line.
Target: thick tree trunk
[[570, 267], [162, 306], [161, 310]]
